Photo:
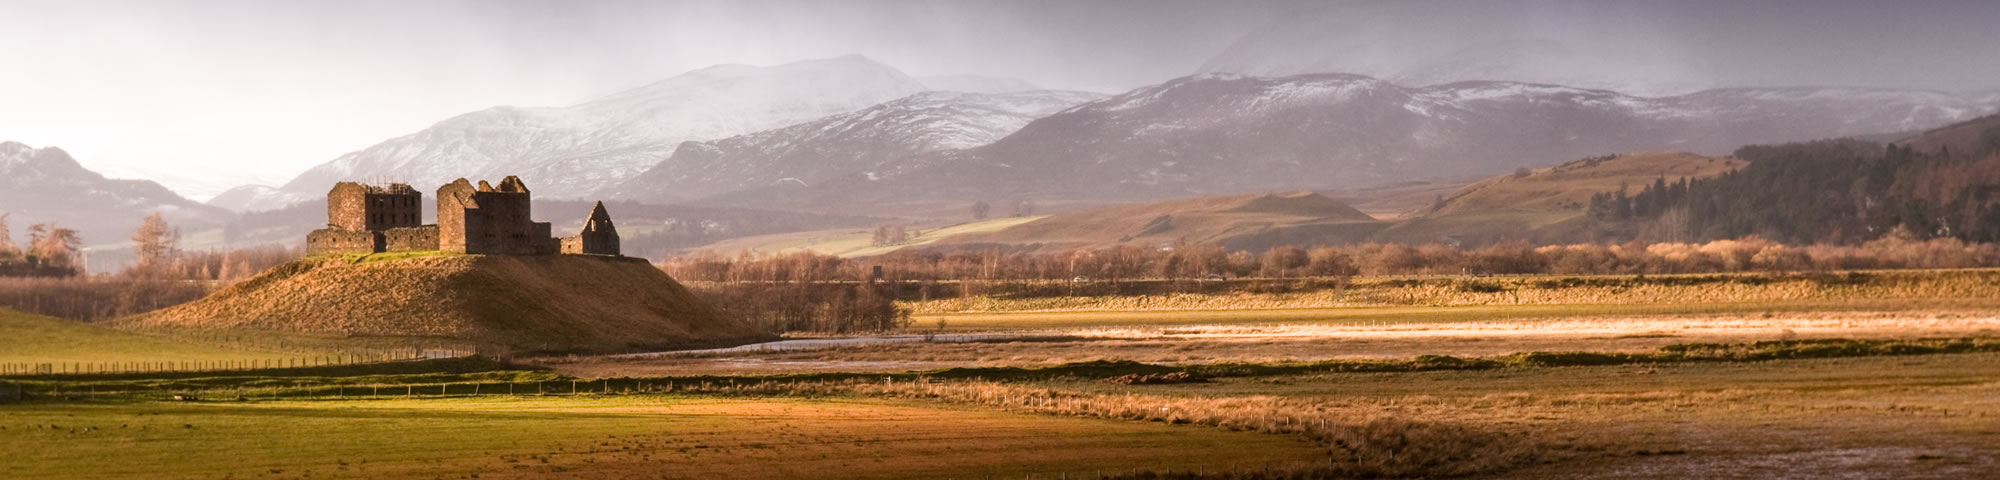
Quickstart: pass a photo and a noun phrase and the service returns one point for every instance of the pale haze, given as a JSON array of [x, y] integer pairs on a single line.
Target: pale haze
[[203, 96]]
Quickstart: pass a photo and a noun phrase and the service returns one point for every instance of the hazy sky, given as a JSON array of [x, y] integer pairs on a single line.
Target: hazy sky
[[258, 91], [203, 95]]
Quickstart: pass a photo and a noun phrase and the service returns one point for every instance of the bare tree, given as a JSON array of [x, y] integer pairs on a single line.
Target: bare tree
[[1023, 208], [980, 209], [7, 249], [54, 245], [156, 243]]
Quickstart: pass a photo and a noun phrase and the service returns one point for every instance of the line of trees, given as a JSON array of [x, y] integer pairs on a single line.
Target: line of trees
[[51, 251], [1197, 262], [162, 274]]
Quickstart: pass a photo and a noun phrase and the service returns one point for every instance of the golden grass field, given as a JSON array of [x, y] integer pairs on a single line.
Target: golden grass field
[[601, 437], [1695, 293]]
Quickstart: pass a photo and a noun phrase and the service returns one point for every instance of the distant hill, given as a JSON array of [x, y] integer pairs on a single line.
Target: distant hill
[[559, 303], [47, 185], [1974, 136], [1541, 203], [1252, 222], [1836, 191]]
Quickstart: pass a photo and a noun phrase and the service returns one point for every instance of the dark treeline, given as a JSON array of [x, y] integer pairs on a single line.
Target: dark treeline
[[1835, 191], [1196, 262]]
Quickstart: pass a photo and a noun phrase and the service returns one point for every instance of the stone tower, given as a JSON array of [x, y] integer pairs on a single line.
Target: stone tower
[[369, 208]]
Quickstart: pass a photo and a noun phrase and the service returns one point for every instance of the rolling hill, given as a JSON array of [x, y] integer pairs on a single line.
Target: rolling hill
[[1250, 222], [1969, 137], [561, 303], [1538, 205]]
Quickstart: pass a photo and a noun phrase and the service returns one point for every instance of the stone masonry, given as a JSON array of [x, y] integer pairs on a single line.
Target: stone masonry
[[481, 220], [598, 237]]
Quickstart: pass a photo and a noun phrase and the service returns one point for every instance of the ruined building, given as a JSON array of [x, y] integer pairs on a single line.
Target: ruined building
[[481, 220], [598, 236]]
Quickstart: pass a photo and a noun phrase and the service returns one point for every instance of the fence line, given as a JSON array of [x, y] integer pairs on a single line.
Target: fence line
[[20, 369]]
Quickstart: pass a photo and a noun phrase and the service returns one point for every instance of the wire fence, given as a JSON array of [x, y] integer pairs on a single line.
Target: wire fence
[[30, 369], [75, 391]]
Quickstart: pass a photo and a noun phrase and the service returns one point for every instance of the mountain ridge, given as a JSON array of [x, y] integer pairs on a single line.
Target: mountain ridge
[[584, 147], [1219, 133]]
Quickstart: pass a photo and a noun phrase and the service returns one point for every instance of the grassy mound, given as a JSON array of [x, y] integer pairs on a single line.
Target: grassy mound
[[566, 303]]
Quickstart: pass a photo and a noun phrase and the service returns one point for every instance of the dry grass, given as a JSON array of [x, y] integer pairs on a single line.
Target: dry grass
[[648, 437], [1213, 343], [1924, 416], [1696, 289]]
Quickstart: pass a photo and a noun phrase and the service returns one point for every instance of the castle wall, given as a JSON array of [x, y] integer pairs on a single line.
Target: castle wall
[[353, 206], [410, 239], [336, 241], [482, 219], [394, 210], [453, 200]]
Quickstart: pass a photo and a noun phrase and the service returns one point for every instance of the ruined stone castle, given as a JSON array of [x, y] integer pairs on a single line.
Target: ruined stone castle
[[483, 220]]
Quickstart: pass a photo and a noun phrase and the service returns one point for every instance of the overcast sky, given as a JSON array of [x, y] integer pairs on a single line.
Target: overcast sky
[[257, 91]]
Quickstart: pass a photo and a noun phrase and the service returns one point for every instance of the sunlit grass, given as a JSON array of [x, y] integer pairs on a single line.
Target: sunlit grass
[[597, 437]]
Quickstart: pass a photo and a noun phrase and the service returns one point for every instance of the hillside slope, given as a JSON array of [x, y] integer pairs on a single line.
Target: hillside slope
[[1975, 136], [563, 303], [1526, 207], [1249, 222]]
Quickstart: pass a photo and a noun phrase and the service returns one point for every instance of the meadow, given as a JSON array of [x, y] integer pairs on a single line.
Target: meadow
[[1636, 386], [649, 436]]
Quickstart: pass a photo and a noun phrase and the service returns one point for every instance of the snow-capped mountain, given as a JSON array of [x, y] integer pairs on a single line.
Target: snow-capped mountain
[[977, 84], [1216, 133], [572, 151], [851, 143], [252, 198], [47, 185]]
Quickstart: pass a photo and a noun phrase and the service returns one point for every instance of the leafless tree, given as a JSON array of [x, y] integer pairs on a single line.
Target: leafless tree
[[980, 209]]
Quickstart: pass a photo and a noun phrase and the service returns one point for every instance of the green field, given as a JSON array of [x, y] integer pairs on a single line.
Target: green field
[[29, 338], [601, 437]]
